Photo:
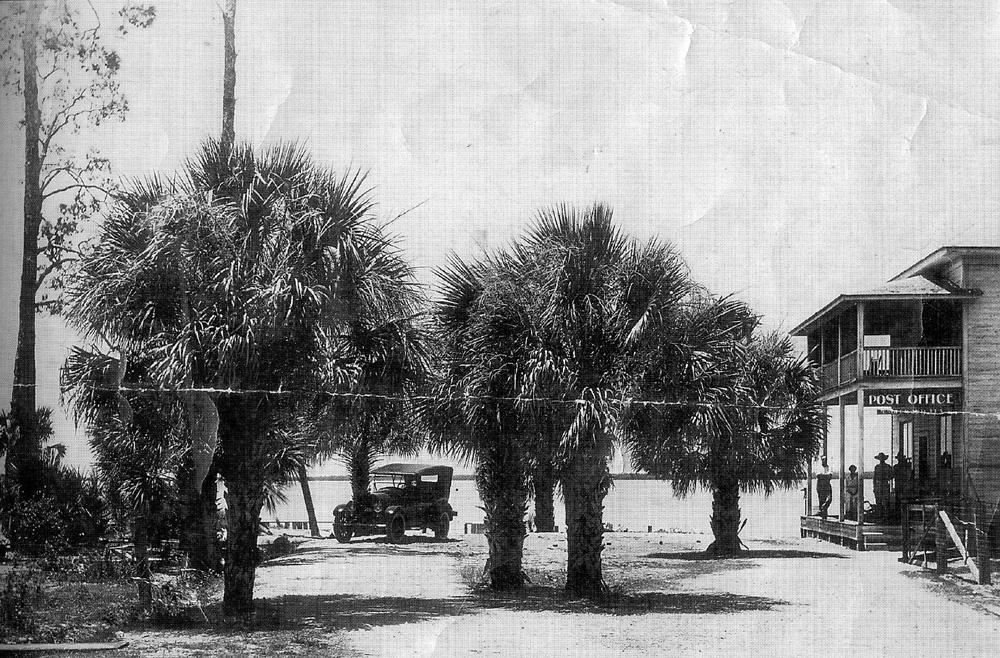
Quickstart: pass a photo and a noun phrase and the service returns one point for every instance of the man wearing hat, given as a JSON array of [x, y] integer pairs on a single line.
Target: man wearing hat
[[902, 474], [880, 485]]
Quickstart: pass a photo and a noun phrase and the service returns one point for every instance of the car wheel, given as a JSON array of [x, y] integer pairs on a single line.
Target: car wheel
[[396, 529], [342, 531], [441, 529]]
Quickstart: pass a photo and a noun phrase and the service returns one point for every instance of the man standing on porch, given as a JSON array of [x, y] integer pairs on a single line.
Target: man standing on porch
[[824, 489], [880, 486], [851, 487], [902, 474]]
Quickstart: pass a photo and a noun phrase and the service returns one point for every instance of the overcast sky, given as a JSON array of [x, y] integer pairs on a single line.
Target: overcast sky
[[793, 150]]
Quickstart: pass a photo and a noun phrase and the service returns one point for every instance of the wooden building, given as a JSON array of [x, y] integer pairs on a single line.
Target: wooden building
[[925, 349]]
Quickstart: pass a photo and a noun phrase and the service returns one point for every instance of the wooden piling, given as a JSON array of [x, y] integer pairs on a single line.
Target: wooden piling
[[984, 545], [940, 543], [905, 520]]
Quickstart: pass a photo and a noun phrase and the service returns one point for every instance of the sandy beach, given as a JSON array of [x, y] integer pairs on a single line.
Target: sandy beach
[[785, 598]]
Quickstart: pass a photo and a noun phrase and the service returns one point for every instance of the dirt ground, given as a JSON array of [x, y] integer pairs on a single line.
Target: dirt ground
[[783, 599]]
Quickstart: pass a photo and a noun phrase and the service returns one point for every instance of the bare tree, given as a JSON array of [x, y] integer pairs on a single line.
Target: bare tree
[[56, 58]]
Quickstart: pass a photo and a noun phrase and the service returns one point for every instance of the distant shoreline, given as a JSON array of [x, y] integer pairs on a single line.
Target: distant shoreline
[[615, 476], [467, 476]]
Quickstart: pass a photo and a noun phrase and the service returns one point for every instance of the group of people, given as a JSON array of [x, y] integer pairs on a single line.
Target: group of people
[[901, 474]]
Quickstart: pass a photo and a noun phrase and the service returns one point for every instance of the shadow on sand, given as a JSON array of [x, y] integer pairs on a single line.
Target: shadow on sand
[[351, 612], [554, 599], [745, 555]]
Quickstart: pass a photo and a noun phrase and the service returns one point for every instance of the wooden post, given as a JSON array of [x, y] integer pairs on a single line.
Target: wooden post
[[984, 545], [861, 458], [940, 542], [905, 519], [843, 421]]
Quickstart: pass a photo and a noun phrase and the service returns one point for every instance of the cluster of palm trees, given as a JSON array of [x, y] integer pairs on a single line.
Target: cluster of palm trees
[[250, 316]]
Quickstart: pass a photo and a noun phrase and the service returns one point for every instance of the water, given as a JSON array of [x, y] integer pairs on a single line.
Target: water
[[632, 504]]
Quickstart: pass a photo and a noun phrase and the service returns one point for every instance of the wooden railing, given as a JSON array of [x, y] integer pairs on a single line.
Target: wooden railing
[[882, 362], [885, 362]]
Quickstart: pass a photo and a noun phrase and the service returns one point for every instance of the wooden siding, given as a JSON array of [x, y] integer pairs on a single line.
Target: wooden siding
[[981, 453]]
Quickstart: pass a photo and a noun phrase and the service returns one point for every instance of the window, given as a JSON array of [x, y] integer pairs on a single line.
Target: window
[[945, 434], [906, 438]]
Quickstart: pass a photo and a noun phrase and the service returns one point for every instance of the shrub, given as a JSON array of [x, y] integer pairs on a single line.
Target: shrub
[[280, 546], [18, 601], [38, 525], [182, 599]]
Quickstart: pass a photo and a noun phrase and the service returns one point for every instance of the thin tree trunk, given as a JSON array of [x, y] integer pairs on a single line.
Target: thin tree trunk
[[585, 484], [210, 558], [141, 544], [199, 514], [543, 484], [307, 497], [229, 77], [23, 395], [244, 499], [725, 518], [501, 478]]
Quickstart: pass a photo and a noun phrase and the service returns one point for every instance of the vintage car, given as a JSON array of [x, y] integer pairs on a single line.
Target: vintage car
[[403, 496]]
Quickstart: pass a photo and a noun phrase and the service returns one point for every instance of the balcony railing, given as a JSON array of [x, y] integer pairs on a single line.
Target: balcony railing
[[881, 362], [888, 362]]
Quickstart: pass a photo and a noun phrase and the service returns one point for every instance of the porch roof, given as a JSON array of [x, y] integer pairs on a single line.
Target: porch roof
[[914, 287]]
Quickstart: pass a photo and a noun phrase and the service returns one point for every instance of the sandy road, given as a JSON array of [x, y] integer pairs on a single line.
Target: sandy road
[[792, 598], [787, 599]]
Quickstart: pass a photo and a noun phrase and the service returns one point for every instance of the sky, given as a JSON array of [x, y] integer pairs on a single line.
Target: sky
[[791, 150]]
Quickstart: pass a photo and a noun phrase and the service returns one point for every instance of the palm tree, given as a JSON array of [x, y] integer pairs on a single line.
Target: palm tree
[[239, 287], [554, 322], [388, 344], [138, 442], [473, 417], [750, 421]]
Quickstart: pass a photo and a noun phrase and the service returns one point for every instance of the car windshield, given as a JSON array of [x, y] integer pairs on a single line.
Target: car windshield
[[393, 481]]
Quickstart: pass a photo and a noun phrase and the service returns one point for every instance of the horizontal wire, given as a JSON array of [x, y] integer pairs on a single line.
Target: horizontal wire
[[487, 398]]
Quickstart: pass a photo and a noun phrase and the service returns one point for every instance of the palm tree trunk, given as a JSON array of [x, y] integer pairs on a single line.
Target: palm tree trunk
[[140, 541], [244, 499], [307, 496], [543, 484], [585, 483], [359, 466], [242, 418], [23, 400], [501, 478], [725, 518]]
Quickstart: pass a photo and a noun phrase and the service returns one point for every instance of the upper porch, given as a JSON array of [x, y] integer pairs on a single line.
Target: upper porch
[[893, 336]]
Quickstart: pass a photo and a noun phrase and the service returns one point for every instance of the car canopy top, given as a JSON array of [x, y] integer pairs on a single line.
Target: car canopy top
[[411, 469], [437, 479]]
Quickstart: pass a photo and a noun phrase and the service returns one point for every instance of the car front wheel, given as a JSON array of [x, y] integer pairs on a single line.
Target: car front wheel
[[342, 531], [441, 530], [396, 529]]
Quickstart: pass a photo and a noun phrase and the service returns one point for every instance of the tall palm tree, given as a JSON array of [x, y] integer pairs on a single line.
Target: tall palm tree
[[553, 322], [602, 293], [750, 420], [239, 287], [474, 416], [387, 342]]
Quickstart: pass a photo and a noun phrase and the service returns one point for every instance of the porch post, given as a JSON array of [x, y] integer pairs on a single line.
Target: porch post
[[843, 419], [861, 457], [861, 417]]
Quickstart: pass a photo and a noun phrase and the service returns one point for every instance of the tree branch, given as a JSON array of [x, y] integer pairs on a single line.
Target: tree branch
[[78, 186], [52, 266]]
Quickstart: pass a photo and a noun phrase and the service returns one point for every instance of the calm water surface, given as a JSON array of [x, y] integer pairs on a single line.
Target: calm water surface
[[632, 504]]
